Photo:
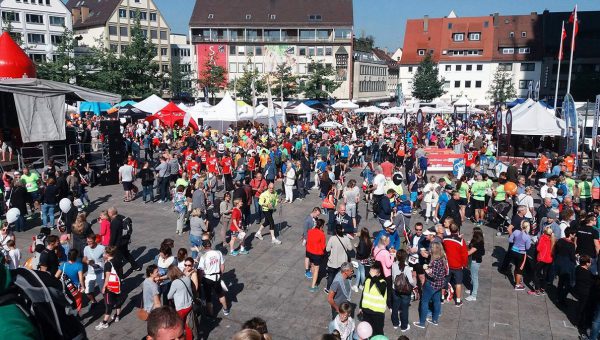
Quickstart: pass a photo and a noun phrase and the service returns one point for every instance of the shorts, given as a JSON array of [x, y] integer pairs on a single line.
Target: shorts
[[314, 259], [211, 286], [478, 204], [462, 201], [111, 300], [413, 196], [91, 283], [344, 159], [6, 146], [34, 196], [418, 267], [455, 276], [351, 210], [517, 260], [127, 186]]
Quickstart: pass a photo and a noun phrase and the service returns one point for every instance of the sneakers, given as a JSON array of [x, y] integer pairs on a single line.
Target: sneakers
[[541, 291], [225, 312], [403, 330], [471, 298], [234, 253], [308, 274], [432, 322], [417, 324], [102, 325], [243, 252], [355, 289], [326, 290], [534, 292], [275, 241], [519, 287], [313, 289], [258, 236], [458, 303]]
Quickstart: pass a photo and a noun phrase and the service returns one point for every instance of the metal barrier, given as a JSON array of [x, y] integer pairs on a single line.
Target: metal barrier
[[36, 156], [95, 158]]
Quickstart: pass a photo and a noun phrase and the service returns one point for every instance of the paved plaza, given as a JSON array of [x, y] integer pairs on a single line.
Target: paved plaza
[[270, 283]]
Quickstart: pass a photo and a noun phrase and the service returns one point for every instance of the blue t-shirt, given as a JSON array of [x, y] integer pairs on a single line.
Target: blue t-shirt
[[321, 166], [71, 270], [345, 151], [442, 201]]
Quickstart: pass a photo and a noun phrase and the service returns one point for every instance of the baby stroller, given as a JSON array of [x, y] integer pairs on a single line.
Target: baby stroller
[[498, 216]]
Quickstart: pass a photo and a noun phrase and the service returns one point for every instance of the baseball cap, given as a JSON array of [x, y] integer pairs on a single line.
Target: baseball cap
[[430, 231], [389, 225]]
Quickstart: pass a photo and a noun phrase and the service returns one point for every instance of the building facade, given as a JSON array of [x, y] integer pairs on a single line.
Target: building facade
[[393, 71], [268, 33], [370, 79], [40, 24], [109, 23], [182, 60]]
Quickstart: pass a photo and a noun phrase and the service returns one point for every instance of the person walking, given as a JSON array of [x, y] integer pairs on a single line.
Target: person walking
[[213, 266], [268, 201], [113, 297], [401, 296], [236, 229], [120, 239], [435, 274], [315, 252]]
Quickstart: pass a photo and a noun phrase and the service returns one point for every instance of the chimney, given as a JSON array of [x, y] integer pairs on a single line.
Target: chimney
[[85, 13], [534, 16], [426, 23], [76, 12], [496, 19]]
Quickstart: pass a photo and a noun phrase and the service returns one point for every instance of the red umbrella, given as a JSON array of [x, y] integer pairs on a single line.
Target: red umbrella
[[14, 63], [171, 115]]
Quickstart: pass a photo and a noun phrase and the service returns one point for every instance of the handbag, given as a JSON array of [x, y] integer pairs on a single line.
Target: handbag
[[196, 302], [141, 313], [345, 250], [114, 282]]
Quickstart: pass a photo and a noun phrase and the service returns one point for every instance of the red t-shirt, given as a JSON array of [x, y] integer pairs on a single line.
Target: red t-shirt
[[226, 165], [236, 215], [203, 156], [191, 165], [133, 163], [387, 168], [251, 164], [470, 158], [211, 164]]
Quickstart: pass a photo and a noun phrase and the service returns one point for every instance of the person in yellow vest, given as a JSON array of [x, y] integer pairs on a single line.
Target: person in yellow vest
[[268, 202], [585, 193], [374, 297]]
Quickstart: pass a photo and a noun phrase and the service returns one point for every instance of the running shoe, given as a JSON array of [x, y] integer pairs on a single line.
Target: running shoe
[[403, 330], [101, 326], [275, 241], [258, 236], [432, 322], [519, 287], [417, 324], [308, 274], [243, 252], [313, 289], [234, 253], [225, 312]]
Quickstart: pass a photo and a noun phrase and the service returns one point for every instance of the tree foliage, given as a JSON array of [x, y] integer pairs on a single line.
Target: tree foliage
[[319, 83], [285, 81], [213, 78], [502, 87], [427, 85], [8, 27], [243, 84], [66, 67]]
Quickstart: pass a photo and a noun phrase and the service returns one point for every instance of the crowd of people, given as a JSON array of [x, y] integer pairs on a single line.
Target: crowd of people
[[225, 188]]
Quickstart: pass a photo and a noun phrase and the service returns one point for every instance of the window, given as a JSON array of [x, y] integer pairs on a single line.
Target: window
[[322, 35], [478, 84], [34, 18], [523, 34], [446, 84], [153, 34], [258, 51], [232, 67], [528, 67], [457, 83], [421, 52], [165, 68], [38, 58], [479, 67], [152, 16], [449, 25], [36, 38], [410, 68], [486, 24], [343, 34], [122, 13], [56, 21], [113, 47], [524, 50], [511, 34], [272, 35], [508, 51], [211, 16], [56, 39], [143, 15], [505, 67], [302, 68], [458, 67], [241, 50], [311, 51], [272, 16], [320, 51], [328, 50], [469, 67], [11, 16], [448, 68], [458, 36], [123, 31], [524, 84], [164, 51], [248, 16], [467, 83], [302, 50], [144, 32], [315, 17], [476, 36], [112, 30], [163, 35], [307, 35]]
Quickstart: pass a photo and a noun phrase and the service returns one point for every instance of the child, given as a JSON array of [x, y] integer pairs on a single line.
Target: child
[[104, 228], [14, 255], [66, 246]]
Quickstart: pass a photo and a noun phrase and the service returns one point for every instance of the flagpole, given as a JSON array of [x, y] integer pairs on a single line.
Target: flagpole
[[572, 50], [560, 54]]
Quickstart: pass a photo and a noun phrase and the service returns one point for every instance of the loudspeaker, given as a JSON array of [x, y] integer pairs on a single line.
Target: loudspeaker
[[71, 135], [110, 127], [200, 122]]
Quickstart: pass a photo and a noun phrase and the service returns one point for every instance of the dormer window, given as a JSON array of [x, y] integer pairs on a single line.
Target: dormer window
[[248, 16], [211, 16], [315, 17], [272, 16]]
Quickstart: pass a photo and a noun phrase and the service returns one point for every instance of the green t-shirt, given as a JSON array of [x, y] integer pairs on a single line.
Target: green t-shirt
[[31, 181], [500, 193], [181, 181], [478, 190], [463, 190], [570, 185], [585, 189]]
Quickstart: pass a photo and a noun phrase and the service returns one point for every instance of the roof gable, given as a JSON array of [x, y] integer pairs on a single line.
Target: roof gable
[[100, 11]]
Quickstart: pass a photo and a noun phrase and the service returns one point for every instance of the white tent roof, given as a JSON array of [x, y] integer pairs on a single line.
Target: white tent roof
[[462, 101], [536, 120], [369, 109], [225, 110], [152, 104], [302, 109], [344, 104]]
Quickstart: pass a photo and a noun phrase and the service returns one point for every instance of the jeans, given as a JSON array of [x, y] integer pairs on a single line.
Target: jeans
[[330, 221], [180, 221], [331, 273], [147, 191], [306, 179], [430, 294], [400, 306], [20, 223], [195, 241], [475, 277], [360, 275], [163, 188], [48, 215], [257, 209]]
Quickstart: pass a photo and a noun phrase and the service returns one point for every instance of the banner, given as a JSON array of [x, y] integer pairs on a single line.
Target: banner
[[508, 127], [596, 118], [215, 54], [420, 120], [570, 114]]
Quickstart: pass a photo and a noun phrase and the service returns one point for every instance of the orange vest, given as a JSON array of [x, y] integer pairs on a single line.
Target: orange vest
[[542, 164], [570, 163]]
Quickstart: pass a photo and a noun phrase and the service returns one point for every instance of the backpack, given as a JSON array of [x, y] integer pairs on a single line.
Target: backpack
[[46, 302], [401, 284], [127, 230]]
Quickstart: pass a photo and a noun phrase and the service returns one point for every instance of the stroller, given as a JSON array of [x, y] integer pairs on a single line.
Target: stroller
[[498, 216]]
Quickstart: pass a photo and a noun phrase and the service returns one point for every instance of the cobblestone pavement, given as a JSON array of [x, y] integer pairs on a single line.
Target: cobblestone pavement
[[270, 283]]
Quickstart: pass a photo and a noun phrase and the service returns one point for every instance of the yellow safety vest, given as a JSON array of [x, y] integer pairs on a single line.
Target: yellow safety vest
[[267, 200], [372, 298]]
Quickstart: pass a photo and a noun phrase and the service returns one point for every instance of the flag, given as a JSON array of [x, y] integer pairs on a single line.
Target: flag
[[575, 22], [563, 36], [530, 89], [537, 90]]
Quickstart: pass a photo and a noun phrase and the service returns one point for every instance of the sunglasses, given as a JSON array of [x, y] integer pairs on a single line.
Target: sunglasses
[[187, 265], [419, 229]]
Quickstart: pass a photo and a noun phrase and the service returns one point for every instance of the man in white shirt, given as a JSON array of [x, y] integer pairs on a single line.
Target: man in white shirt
[[548, 189], [213, 265], [93, 256], [126, 173]]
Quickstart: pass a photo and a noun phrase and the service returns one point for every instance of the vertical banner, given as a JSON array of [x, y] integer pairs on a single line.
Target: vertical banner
[[570, 114], [596, 118], [420, 120], [215, 54], [508, 127]]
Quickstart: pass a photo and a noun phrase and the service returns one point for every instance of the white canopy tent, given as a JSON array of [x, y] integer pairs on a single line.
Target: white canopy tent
[[392, 121], [462, 101], [184, 107], [224, 113], [303, 110], [344, 104], [198, 110], [536, 120], [262, 115], [369, 109], [152, 104]]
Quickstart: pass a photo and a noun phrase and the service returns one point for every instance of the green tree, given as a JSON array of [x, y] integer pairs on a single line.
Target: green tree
[[8, 27], [212, 78], [66, 67], [141, 74], [180, 83], [285, 81], [319, 84], [427, 84], [502, 87], [243, 84]]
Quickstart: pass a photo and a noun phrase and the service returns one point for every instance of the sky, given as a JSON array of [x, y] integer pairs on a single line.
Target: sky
[[386, 19]]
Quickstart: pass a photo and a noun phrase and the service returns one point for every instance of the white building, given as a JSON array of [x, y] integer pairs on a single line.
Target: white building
[[40, 24], [370, 79], [181, 54]]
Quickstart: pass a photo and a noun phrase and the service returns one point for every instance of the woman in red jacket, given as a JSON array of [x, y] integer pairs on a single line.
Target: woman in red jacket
[[315, 250], [545, 249]]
